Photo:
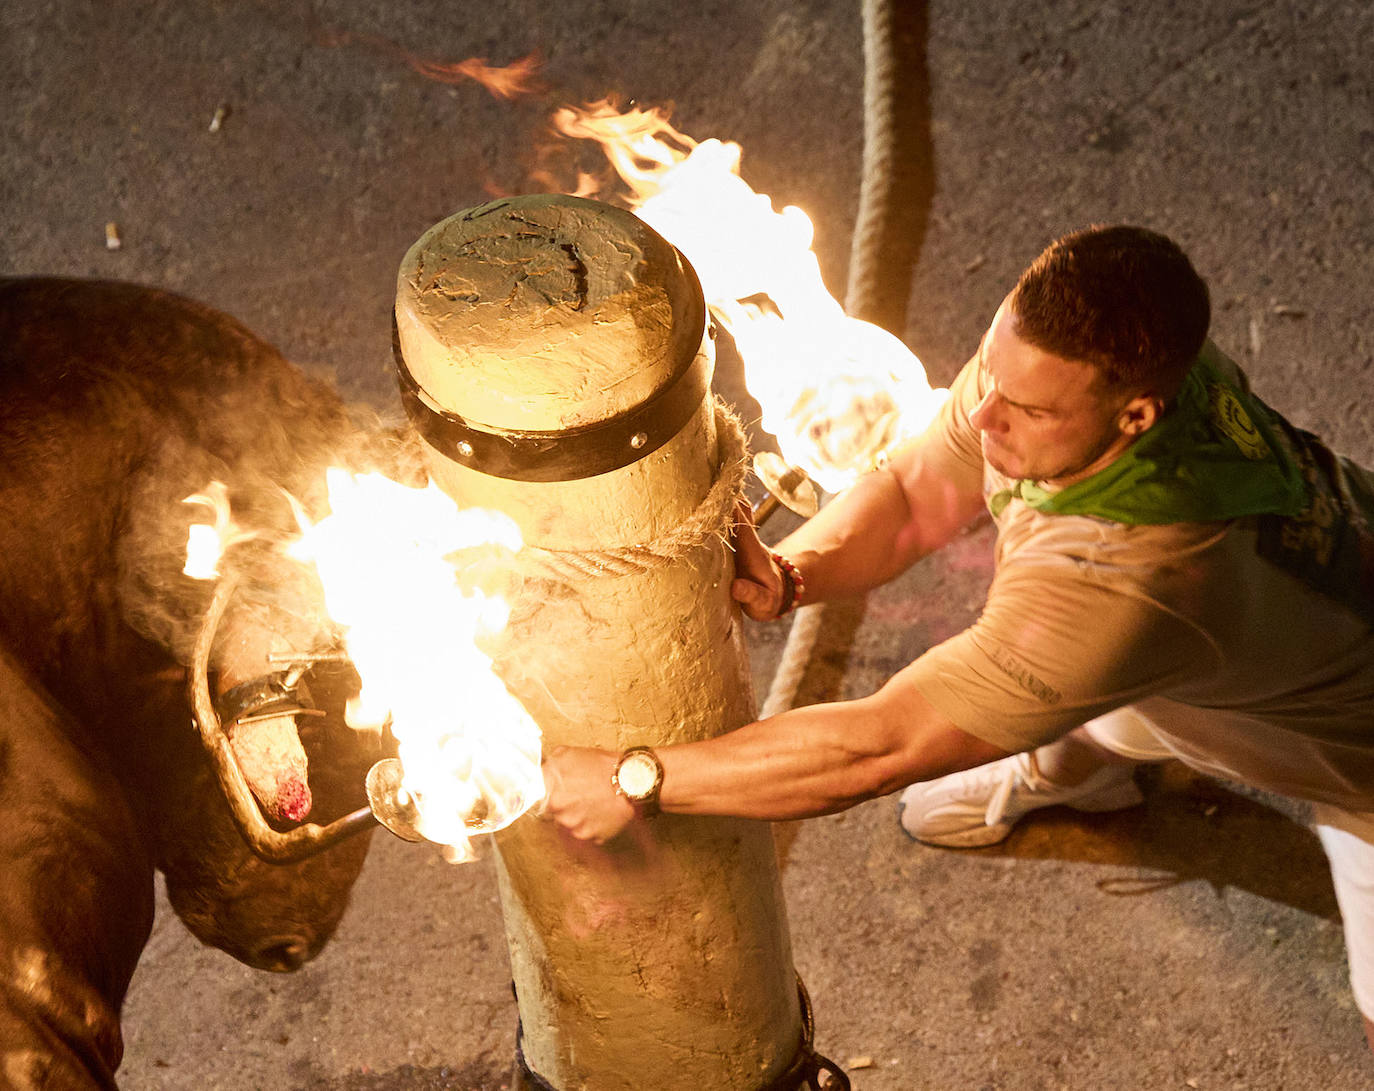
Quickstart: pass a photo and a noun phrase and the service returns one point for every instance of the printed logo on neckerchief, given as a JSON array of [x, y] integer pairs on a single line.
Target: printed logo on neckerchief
[[1231, 418]]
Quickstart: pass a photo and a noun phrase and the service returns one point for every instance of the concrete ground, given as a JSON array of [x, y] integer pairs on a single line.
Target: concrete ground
[[1192, 942]]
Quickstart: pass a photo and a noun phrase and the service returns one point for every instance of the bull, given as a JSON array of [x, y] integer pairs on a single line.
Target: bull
[[116, 403]]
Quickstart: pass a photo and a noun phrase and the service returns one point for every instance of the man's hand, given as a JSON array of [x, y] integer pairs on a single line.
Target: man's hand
[[580, 796], [757, 586]]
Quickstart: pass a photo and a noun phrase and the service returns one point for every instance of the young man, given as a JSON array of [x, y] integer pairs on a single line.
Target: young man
[[1180, 573]]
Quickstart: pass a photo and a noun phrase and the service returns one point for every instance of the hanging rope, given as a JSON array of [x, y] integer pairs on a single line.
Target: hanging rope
[[897, 181], [894, 197]]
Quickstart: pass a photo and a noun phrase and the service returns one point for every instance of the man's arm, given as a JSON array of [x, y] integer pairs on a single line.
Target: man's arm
[[885, 523], [867, 535], [798, 764], [824, 758]]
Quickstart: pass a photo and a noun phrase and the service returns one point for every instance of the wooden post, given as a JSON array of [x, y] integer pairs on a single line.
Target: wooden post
[[556, 355]]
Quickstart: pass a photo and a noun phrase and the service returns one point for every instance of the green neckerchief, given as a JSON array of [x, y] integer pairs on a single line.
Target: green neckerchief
[[1215, 454]]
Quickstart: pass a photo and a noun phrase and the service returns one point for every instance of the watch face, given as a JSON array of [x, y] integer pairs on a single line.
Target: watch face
[[637, 774]]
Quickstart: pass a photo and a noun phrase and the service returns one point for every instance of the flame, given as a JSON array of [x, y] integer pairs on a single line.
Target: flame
[[412, 613], [837, 392], [206, 542], [515, 79], [520, 77]]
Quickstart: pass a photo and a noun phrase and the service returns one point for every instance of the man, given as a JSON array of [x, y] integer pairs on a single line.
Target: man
[[1180, 573]]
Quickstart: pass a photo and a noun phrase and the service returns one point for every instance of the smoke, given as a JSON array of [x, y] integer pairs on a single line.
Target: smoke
[[270, 456]]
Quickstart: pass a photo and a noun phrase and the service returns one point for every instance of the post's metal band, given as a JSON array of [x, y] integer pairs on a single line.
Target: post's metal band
[[562, 456]]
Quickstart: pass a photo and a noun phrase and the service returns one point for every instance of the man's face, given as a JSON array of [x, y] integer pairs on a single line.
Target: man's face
[[1043, 417]]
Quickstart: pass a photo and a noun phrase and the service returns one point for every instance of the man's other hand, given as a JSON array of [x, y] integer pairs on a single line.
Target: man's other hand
[[757, 586], [580, 797]]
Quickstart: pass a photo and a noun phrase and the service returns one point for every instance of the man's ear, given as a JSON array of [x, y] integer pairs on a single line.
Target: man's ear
[[1139, 414]]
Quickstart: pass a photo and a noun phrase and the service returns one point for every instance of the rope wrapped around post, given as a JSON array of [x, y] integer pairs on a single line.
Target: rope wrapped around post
[[711, 519]]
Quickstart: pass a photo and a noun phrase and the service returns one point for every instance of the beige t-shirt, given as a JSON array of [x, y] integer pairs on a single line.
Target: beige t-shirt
[[1245, 672]]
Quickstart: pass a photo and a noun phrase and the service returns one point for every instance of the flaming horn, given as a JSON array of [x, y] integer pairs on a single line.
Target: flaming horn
[[555, 354]]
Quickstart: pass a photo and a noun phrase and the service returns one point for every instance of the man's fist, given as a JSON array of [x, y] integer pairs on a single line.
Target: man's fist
[[758, 584], [579, 795]]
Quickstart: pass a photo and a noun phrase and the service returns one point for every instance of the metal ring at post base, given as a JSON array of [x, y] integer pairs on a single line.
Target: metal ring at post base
[[805, 1073]]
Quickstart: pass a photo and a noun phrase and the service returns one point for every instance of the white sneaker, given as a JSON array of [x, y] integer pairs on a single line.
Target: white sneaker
[[980, 806]]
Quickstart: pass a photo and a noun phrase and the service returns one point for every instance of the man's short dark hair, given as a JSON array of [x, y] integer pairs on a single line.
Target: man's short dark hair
[[1123, 299]]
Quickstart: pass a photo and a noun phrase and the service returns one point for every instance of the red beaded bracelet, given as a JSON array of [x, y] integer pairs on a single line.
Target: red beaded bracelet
[[793, 585]]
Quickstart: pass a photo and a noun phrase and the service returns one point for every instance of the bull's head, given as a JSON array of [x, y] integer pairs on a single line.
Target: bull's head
[[261, 842], [265, 888]]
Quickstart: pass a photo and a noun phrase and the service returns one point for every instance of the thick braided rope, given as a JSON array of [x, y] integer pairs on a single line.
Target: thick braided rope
[[794, 660], [884, 246], [710, 520], [897, 174]]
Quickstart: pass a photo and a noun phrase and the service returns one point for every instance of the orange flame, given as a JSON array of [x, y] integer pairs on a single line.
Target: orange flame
[[520, 77], [838, 393], [413, 581], [515, 79]]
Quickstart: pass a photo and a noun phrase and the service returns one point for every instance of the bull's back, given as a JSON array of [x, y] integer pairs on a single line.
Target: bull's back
[[60, 338], [125, 363]]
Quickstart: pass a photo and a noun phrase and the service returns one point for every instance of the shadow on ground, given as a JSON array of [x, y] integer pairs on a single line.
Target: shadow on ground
[[1190, 828]]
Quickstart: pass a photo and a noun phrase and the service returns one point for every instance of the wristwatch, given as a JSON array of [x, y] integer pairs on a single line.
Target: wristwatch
[[638, 777]]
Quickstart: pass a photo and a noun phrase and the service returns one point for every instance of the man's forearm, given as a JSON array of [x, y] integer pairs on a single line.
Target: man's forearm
[[816, 760], [848, 547], [802, 763]]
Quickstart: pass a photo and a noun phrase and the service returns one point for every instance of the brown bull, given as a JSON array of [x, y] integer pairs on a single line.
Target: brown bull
[[116, 402]]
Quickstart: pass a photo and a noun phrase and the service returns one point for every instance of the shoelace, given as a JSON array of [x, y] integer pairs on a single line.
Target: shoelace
[[1019, 768]]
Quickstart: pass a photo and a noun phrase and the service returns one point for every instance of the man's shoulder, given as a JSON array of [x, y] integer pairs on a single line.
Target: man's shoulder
[[1104, 550]]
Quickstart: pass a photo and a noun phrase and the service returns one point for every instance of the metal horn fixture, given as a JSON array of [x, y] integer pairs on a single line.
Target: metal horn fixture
[[274, 846], [787, 487]]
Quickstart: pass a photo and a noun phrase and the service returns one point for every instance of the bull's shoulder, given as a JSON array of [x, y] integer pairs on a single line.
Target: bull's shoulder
[[97, 353], [75, 330]]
